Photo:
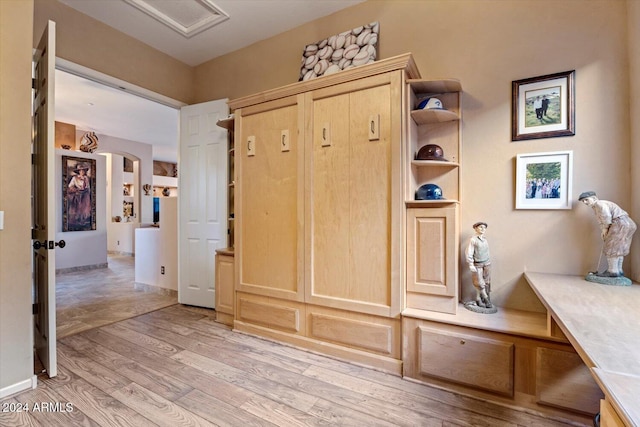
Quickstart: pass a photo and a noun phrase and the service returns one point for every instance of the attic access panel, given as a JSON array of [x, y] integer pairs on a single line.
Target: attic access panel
[[187, 17]]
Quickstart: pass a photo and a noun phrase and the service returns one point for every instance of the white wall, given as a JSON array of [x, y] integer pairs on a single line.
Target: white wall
[[158, 247], [142, 152], [83, 248]]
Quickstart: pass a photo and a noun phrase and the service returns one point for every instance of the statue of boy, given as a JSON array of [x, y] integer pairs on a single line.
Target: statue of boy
[[479, 262], [616, 230]]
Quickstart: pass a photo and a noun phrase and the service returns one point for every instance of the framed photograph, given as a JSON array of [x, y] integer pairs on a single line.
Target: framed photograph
[[543, 107], [543, 180], [78, 194]]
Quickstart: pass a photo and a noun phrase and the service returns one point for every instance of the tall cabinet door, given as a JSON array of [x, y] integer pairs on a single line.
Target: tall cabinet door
[[269, 238], [350, 213]]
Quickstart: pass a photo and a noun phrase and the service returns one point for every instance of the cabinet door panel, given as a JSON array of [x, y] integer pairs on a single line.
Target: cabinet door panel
[[432, 274], [350, 200], [270, 242], [475, 361]]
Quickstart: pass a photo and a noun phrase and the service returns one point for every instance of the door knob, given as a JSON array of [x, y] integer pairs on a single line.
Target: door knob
[[51, 244]]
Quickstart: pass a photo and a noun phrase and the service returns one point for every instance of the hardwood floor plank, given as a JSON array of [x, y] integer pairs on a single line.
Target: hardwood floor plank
[[163, 385], [40, 401], [280, 414], [12, 414], [222, 390], [101, 407], [219, 412], [199, 342], [143, 340], [407, 401], [101, 377], [157, 409], [304, 385], [249, 380]]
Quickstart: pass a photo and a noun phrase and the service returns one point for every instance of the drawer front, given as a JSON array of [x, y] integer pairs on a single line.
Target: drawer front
[[368, 336], [269, 314], [474, 361]]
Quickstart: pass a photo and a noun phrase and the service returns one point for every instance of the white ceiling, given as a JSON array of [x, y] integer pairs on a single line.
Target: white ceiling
[[92, 106], [109, 111]]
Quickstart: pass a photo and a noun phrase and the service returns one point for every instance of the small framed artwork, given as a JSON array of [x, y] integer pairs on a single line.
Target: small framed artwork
[[543, 107], [543, 180]]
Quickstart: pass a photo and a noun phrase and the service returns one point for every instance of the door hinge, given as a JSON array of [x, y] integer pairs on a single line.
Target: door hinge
[[34, 309], [33, 83], [33, 159]]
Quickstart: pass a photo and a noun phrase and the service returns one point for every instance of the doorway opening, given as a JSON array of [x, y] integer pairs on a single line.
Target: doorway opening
[[127, 124]]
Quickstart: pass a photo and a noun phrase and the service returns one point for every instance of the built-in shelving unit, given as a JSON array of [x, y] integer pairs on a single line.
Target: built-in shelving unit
[[228, 124]]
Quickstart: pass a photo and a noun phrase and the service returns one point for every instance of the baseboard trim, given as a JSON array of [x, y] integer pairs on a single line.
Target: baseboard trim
[[29, 383], [131, 254], [82, 268], [155, 289]]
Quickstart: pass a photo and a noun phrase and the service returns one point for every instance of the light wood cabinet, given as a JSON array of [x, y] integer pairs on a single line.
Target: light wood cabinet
[[269, 200], [319, 203], [224, 287], [432, 259], [334, 254], [534, 373], [352, 198]]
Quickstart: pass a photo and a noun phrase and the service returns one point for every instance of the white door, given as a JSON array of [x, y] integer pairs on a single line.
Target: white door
[[43, 194], [202, 180]]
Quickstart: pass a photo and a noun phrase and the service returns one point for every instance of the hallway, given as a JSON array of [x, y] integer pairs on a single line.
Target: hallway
[[87, 299]]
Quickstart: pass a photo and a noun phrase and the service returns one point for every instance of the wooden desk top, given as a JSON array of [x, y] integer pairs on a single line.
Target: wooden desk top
[[603, 324]]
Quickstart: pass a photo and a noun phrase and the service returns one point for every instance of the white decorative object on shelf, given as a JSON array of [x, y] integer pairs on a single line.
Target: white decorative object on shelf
[[340, 52]]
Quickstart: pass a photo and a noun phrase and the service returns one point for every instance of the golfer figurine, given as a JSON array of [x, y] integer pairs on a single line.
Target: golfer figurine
[[617, 230], [479, 261]]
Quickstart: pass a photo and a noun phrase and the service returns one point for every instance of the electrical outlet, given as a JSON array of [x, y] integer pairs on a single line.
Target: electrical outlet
[[162, 269]]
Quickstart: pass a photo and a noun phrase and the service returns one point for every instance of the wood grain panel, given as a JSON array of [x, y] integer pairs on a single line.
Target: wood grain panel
[[225, 292], [563, 380], [269, 314], [429, 255], [157, 409], [432, 271], [270, 239], [350, 200], [475, 361], [365, 335], [608, 415]]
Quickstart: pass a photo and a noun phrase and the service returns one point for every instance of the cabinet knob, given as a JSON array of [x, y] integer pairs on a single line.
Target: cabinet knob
[[462, 342]]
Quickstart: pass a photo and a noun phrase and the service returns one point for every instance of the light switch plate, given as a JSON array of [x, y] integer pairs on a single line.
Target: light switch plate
[[1, 220], [251, 146]]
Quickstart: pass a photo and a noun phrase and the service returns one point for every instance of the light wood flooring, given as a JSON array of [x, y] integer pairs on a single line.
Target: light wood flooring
[[90, 298], [175, 366]]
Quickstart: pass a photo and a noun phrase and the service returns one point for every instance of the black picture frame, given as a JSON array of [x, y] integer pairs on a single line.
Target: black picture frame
[[543, 107]]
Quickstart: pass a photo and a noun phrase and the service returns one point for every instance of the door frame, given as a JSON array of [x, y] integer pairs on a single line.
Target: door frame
[[101, 78]]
